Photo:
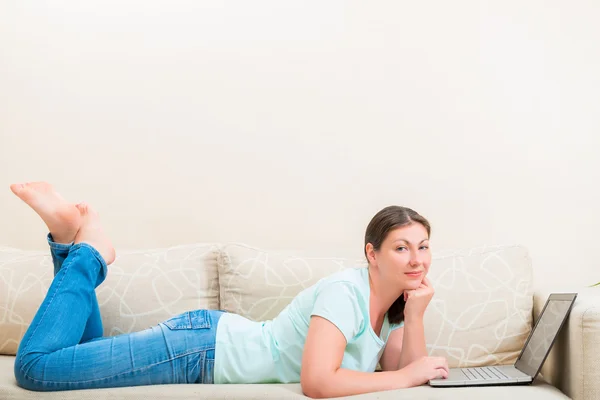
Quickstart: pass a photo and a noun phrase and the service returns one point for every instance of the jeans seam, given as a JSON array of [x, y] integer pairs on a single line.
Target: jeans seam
[[119, 374], [208, 361], [44, 314], [202, 361]]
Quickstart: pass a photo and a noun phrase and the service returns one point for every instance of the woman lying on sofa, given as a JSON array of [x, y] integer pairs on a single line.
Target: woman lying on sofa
[[330, 338]]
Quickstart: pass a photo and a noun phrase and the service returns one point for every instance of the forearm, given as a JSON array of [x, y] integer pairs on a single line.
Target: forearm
[[346, 382], [413, 343]]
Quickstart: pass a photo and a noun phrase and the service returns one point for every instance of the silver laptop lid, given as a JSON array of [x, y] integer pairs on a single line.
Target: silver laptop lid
[[543, 335]]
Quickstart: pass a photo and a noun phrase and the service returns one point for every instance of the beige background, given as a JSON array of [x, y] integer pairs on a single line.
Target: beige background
[[287, 125]]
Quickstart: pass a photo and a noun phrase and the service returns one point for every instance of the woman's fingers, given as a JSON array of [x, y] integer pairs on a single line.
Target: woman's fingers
[[441, 363], [442, 373]]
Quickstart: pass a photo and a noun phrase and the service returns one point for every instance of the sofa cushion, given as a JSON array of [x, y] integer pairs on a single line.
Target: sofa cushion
[[481, 313], [258, 284], [142, 288], [539, 390]]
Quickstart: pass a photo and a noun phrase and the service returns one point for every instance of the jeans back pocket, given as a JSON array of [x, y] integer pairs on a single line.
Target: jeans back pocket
[[198, 319]]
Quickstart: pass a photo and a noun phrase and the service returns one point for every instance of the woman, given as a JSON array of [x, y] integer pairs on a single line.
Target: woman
[[329, 338]]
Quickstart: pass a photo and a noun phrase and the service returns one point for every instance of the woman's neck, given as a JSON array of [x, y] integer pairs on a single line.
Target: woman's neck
[[382, 295]]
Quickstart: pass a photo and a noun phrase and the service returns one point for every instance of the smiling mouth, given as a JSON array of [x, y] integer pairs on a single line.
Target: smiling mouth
[[413, 273]]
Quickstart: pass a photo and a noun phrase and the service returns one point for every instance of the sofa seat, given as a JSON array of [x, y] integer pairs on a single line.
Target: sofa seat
[[10, 391]]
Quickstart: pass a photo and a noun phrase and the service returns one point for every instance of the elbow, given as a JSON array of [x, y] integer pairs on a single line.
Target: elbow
[[314, 392], [314, 386]]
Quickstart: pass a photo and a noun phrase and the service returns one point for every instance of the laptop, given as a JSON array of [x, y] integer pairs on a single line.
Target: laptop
[[532, 357]]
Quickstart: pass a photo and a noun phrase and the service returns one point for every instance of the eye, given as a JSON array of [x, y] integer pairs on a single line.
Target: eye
[[402, 248], [423, 247]]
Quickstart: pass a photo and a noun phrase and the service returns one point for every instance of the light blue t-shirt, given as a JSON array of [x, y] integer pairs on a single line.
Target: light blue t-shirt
[[271, 351]]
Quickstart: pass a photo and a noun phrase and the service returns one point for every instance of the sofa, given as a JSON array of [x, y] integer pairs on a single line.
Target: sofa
[[485, 305]]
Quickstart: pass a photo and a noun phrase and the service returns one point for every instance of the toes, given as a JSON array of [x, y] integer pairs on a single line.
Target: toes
[[85, 209], [82, 207], [32, 187], [17, 187]]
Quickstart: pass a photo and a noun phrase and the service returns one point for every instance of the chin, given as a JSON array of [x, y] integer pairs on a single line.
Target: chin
[[412, 284]]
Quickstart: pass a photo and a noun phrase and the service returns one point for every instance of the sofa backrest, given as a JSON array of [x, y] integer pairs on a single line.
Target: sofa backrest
[[141, 289], [481, 313]]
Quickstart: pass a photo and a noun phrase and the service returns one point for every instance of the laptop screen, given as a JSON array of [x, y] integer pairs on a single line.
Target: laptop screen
[[544, 333]]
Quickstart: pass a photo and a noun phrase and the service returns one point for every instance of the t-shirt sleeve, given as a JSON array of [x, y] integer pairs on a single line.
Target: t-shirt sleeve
[[340, 303]]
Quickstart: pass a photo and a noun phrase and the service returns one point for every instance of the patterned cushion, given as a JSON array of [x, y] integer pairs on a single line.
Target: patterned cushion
[[259, 284], [481, 312], [24, 279], [142, 288]]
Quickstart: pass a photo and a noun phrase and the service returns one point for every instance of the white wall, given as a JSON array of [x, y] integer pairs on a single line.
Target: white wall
[[289, 124]]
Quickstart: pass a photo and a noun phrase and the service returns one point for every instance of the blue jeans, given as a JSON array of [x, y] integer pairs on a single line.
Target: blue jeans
[[63, 348]]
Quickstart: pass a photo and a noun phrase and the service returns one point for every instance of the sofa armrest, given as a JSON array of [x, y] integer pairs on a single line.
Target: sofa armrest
[[573, 365]]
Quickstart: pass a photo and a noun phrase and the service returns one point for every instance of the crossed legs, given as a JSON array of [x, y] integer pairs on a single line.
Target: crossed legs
[[63, 347]]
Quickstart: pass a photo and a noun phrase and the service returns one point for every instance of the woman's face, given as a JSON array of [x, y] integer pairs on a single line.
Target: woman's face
[[404, 256]]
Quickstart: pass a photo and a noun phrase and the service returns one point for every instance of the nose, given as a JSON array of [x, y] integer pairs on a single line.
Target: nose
[[415, 259]]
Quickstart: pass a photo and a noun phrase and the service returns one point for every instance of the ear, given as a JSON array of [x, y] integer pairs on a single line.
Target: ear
[[370, 250]]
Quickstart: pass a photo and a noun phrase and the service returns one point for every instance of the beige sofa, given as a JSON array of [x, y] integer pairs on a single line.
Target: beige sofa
[[481, 314]]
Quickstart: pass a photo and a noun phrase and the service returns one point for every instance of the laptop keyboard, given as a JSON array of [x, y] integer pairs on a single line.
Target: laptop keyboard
[[483, 373]]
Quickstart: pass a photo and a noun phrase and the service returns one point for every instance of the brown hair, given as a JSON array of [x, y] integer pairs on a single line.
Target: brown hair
[[381, 225]]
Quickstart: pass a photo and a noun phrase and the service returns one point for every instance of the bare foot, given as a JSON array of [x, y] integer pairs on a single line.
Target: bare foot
[[61, 217], [91, 232]]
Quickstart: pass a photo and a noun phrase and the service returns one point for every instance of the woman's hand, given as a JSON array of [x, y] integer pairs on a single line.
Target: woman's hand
[[417, 300], [423, 369]]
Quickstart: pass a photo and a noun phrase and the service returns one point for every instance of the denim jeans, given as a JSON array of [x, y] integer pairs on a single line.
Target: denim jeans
[[63, 348]]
